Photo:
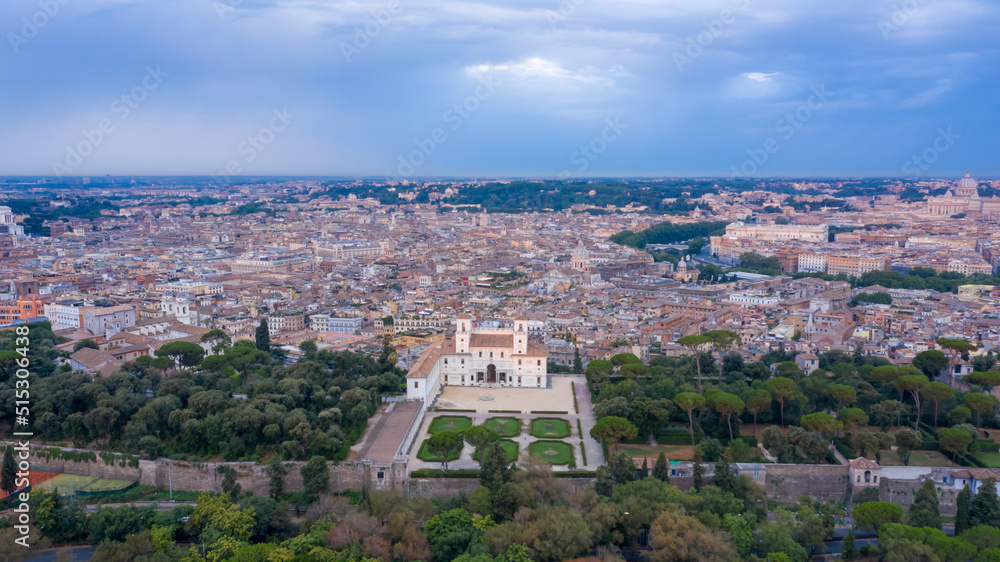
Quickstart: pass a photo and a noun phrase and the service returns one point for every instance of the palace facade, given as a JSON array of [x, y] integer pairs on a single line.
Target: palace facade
[[479, 356]]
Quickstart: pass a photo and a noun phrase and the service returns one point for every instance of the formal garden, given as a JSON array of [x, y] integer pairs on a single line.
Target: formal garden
[[456, 424], [425, 454], [511, 448], [550, 428], [504, 426], [552, 452]]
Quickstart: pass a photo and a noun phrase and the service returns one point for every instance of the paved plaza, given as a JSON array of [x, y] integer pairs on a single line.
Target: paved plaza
[[558, 398]]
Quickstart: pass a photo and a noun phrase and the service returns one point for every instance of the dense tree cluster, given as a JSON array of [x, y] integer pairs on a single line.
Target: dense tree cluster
[[871, 298], [181, 404], [667, 233], [841, 400]]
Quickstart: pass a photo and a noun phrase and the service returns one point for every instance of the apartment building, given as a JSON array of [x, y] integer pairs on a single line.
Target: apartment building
[[856, 266], [327, 323]]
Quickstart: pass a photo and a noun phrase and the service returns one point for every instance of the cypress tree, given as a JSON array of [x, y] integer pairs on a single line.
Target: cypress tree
[[364, 499], [276, 473], [699, 470], [8, 474], [725, 475], [262, 337], [962, 503], [925, 510], [494, 471], [985, 510], [847, 550], [661, 470], [645, 467]]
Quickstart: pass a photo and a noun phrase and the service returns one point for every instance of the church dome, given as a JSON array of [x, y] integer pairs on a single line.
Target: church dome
[[968, 183], [580, 251]]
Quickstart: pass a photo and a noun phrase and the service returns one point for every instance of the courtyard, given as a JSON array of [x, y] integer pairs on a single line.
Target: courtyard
[[530, 421], [558, 398]]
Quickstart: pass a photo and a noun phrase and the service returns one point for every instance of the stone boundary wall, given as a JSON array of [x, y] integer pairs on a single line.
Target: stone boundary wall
[[412, 432], [901, 492], [787, 482], [782, 482]]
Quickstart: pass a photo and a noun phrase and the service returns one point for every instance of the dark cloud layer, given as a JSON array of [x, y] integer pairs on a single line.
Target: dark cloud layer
[[498, 88]]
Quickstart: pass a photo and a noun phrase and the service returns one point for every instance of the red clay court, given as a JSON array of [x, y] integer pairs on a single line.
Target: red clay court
[[35, 477]]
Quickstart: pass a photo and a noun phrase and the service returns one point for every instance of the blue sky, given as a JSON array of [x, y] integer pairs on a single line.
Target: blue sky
[[317, 87]]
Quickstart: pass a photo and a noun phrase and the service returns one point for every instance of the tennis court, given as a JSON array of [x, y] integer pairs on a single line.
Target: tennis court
[[70, 484], [36, 478]]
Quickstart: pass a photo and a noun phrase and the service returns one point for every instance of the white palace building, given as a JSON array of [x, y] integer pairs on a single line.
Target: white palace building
[[477, 356]]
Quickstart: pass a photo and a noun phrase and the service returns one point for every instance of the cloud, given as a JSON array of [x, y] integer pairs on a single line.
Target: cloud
[[760, 76], [538, 70], [557, 82], [929, 95]]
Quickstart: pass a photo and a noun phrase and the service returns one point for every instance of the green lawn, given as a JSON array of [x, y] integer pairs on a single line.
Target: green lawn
[[554, 452], [675, 452], [449, 423], [505, 427], [918, 458], [555, 428], [991, 460], [511, 448], [425, 455]]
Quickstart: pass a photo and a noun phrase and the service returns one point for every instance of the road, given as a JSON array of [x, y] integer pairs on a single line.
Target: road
[[80, 553], [161, 506], [705, 257], [834, 545]]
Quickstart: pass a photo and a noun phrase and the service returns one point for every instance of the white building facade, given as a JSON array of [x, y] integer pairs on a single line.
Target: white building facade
[[485, 357]]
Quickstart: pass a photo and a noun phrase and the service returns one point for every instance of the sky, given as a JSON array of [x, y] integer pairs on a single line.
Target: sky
[[536, 88]]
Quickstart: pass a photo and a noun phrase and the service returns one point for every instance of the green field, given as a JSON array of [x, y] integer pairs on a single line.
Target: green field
[[505, 427], [71, 483], [449, 423], [425, 455], [991, 460], [550, 428], [554, 452], [920, 458]]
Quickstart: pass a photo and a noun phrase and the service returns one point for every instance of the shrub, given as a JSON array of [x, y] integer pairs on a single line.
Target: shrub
[[438, 473], [985, 446], [575, 474]]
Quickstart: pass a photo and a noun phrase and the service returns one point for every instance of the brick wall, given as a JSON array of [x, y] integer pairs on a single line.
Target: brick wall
[[786, 482], [901, 492], [782, 482]]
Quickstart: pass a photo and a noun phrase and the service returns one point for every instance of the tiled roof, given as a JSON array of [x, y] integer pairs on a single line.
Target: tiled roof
[[864, 463], [423, 366], [92, 358], [492, 340]]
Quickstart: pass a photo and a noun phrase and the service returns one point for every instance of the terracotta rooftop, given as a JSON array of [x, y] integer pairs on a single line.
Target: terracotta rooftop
[[864, 463], [423, 366], [492, 340]]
